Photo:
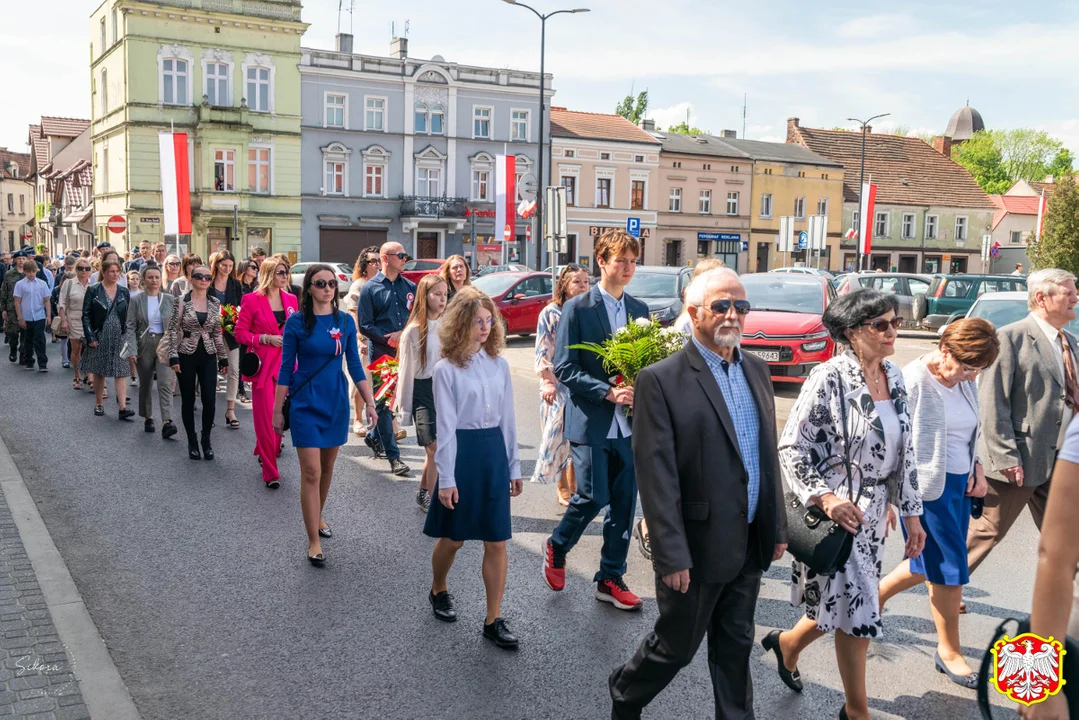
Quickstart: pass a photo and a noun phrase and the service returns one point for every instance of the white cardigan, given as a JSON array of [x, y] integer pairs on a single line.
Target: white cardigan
[[408, 369], [929, 427]]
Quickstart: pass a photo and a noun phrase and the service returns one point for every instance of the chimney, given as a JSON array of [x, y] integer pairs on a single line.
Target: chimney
[[344, 43], [399, 48], [943, 145], [648, 125], [729, 134], [792, 130]]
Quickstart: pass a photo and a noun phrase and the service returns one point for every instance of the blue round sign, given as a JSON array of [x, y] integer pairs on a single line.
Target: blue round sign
[[803, 240]]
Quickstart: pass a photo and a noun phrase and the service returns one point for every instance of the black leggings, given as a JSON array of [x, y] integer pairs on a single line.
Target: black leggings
[[198, 369]]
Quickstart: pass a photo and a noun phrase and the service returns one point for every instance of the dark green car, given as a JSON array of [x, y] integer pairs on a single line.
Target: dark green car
[[950, 294]]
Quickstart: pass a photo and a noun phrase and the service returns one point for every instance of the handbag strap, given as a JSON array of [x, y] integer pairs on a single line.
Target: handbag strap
[[312, 376], [986, 669], [846, 445]]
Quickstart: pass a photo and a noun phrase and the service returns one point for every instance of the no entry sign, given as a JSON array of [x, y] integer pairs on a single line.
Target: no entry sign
[[117, 224]]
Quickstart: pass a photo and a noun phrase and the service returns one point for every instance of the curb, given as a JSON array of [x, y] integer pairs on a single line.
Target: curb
[[103, 690]]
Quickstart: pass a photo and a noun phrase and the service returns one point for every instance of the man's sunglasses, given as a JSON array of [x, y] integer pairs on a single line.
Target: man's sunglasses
[[722, 307], [323, 284], [201, 276], [399, 256], [882, 326]]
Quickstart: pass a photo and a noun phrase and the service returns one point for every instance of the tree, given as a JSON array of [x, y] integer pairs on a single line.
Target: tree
[[1063, 164], [982, 157], [683, 128], [1059, 244], [999, 158], [634, 112]]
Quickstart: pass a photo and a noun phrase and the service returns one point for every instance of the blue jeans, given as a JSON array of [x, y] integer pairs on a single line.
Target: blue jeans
[[605, 478], [383, 432]]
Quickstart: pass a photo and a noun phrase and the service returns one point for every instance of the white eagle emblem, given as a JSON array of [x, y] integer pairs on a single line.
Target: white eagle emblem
[[1028, 674]]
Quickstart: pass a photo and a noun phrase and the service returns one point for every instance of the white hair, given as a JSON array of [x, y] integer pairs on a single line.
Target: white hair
[[1047, 282], [697, 288]]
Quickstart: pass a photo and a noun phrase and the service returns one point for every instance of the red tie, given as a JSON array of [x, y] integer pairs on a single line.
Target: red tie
[[1071, 388]]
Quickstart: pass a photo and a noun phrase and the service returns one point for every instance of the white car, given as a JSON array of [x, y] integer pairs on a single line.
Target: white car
[[1002, 308], [803, 271], [344, 275]]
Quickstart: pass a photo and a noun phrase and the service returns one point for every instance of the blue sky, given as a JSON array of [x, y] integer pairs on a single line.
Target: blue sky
[[823, 61]]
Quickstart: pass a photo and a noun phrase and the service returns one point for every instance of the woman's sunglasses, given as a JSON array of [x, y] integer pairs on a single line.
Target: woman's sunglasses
[[281, 273], [201, 276], [173, 264], [82, 268], [882, 326], [323, 284], [722, 307]]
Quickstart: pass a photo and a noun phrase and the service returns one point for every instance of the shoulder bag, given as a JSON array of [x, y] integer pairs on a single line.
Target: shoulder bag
[[812, 537], [286, 407], [164, 347]]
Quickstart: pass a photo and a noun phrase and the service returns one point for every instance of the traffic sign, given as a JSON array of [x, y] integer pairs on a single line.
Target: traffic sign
[[508, 234], [995, 250], [633, 226], [527, 187], [117, 224], [803, 240]]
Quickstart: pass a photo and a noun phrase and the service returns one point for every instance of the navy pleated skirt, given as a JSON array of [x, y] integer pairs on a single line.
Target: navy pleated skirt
[[483, 488], [945, 521]]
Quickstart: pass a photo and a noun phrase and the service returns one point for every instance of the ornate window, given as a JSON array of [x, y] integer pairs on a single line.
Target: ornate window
[[438, 122], [259, 73], [335, 161], [482, 177], [421, 123], [429, 167], [174, 64], [225, 170], [258, 170], [376, 162]]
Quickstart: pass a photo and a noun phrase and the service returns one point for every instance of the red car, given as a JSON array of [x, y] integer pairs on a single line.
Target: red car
[[519, 296], [785, 328], [415, 269]]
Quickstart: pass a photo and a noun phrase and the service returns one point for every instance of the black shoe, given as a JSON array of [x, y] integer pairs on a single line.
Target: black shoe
[[790, 678], [398, 468], [843, 713], [423, 499], [168, 430], [499, 633], [99, 410], [644, 544], [193, 449], [126, 413], [442, 606], [968, 681], [148, 426], [207, 449], [325, 532], [273, 484], [11, 357], [317, 560], [375, 445]]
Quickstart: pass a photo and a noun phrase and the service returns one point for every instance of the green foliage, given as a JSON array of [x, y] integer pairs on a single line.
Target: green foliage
[[633, 111], [1059, 244], [1063, 164], [636, 346], [683, 128], [999, 158]]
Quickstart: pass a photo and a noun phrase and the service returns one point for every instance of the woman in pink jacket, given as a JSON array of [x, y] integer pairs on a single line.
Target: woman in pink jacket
[[262, 316]]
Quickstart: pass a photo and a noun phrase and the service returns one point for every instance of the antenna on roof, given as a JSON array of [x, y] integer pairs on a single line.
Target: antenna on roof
[[745, 105]]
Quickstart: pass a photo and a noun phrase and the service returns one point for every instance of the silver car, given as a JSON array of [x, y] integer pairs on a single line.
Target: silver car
[[344, 275], [1002, 308], [903, 285]]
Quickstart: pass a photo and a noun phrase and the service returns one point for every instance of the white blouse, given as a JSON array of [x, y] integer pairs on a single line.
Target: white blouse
[[409, 370], [471, 398], [893, 436]]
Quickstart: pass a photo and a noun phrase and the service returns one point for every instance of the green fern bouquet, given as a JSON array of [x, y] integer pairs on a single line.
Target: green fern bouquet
[[634, 347]]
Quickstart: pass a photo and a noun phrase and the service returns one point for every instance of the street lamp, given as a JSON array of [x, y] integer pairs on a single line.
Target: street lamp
[[861, 183], [542, 89]]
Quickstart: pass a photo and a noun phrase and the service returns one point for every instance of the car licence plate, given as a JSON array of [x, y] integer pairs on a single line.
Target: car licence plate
[[766, 355]]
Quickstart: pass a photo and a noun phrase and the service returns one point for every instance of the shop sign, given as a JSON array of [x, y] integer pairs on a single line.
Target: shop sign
[[597, 230]]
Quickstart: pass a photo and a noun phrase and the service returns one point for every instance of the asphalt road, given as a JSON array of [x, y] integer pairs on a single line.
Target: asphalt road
[[195, 575]]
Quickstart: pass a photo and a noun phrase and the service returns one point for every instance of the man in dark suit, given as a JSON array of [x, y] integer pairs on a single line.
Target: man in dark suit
[[596, 425], [705, 447]]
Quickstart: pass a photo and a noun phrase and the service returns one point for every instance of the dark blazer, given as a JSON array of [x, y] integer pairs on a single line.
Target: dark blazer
[[233, 294], [690, 473], [95, 309], [584, 319]]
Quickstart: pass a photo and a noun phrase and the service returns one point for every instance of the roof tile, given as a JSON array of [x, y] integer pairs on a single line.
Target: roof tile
[[21, 160], [63, 127], [595, 126]]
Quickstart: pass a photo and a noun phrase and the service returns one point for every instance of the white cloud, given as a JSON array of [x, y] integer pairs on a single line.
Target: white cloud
[[666, 117], [873, 26]]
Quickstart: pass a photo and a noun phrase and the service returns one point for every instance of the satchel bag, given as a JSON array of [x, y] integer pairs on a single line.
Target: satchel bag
[[1071, 679], [250, 364], [286, 407], [164, 347], [813, 538], [55, 327]]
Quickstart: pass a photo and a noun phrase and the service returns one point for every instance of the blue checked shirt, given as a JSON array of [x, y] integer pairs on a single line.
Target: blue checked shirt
[[743, 409], [617, 316]]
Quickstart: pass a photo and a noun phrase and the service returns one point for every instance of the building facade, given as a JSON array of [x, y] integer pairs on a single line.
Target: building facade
[[55, 145], [69, 191], [930, 214], [223, 71], [16, 200], [402, 149], [610, 169]]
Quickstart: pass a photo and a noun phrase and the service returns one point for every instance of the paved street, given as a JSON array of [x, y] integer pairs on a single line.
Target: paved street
[[196, 578]]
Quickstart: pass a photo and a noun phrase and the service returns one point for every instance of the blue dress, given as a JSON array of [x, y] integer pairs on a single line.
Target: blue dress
[[320, 410]]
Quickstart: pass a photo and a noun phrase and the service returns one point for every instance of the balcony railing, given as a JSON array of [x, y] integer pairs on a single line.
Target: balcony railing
[[436, 207]]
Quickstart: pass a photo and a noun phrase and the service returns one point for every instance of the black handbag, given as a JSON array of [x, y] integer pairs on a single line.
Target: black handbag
[[1071, 681], [286, 407], [813, 538], [250, 364]]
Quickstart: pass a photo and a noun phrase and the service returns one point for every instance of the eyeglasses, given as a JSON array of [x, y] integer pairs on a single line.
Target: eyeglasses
[[82, 268], [175, 263], [722, 307], [399, 256], [374, 261], [481, 323], [201, 276], [323, 284], [882, 326], [281, 273]]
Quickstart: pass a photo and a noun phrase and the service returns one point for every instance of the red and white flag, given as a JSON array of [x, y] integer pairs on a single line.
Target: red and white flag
[[175, 183], [505, 197], [1041, 216], [865, 231]]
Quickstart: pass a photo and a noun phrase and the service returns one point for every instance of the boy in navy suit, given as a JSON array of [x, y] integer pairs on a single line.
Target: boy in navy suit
[[597, 425]]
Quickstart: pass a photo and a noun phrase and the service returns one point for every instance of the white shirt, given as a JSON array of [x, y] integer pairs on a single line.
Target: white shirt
[[893, 436], [471, 398], [409, 370], [153, 311], [122, 280], [616, 314], [1054, 342], [961, 423]]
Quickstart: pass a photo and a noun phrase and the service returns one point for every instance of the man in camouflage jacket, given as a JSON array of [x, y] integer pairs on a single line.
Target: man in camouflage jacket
[[7, 305]]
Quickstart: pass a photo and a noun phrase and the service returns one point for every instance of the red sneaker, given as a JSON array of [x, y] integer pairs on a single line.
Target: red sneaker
[[554, 567], [616, 593]]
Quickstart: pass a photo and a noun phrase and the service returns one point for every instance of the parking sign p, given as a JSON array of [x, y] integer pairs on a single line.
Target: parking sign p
[[633, 226]]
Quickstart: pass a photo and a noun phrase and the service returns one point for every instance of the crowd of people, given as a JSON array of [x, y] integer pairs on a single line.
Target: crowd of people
[[868, 445]]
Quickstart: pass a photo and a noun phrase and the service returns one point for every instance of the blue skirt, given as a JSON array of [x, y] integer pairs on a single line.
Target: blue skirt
[[944, 560], [483, 488]]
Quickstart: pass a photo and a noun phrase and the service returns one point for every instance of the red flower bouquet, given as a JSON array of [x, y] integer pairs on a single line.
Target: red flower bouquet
[[229, 315], [383, 381]]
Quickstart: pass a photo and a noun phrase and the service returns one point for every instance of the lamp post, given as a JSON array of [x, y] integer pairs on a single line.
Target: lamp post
[[542, 89], [861, 184]]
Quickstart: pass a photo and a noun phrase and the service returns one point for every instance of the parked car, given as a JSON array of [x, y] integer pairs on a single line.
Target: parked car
[[492, 269], [661, 289], [950, 294], [519, 296], [903, 285], [785, 326], [415, 269], [804, 271], [344, 275], [1002, 308]]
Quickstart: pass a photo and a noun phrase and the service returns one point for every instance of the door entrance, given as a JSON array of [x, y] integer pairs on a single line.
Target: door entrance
[[427, 245], [217, 238], [908, 263], [674, 253], [762, 257]]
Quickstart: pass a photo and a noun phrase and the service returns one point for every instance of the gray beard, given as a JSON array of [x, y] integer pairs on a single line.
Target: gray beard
[[727, 339]]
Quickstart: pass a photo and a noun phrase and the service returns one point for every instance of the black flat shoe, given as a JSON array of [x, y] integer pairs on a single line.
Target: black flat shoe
[[968, 681], [325, 532], [168, 430], [442, 606], [126, 413], [792, 679], [317, 560], [99, 410], [843, 713], [643, 543], [499, 633], [148, 426], [207, 448], [193, 450], [273, 485]]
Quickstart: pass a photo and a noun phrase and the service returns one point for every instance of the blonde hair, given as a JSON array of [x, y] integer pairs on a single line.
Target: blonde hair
[[455, 333], [444, 271], [267, 269], [419, 312]]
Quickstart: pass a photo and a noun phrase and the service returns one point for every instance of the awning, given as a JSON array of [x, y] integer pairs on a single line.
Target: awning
[[79, 216]]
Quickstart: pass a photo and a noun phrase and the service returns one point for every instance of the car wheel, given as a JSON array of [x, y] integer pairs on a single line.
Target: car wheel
[[919, 308]]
